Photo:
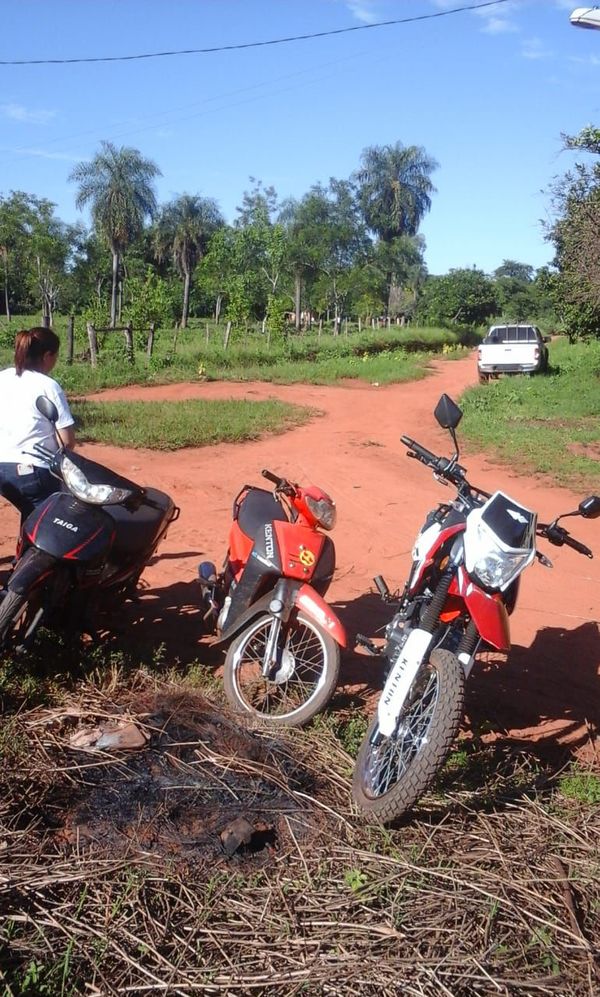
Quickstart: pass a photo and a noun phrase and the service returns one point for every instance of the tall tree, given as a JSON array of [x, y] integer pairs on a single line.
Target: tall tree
[[394, 192], [118, 185], [576, 236], [395, 188], [184, 229]]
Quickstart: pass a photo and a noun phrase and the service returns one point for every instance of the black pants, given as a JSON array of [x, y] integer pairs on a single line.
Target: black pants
[[26, 491]]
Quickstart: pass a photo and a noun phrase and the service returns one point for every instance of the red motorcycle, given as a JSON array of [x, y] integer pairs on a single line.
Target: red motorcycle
[[267, 603], [463, 585]]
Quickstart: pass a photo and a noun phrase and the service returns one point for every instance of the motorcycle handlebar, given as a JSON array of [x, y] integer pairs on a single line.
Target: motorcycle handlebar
[[559, 537], [443, 466], [281, 484]]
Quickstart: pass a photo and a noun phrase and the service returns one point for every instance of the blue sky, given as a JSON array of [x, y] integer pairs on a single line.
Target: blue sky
[[486, 93]]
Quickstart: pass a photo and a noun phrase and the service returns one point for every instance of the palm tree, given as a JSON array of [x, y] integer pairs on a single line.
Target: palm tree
[[394, 193], [394, 188], [117, 183], [184, 229]]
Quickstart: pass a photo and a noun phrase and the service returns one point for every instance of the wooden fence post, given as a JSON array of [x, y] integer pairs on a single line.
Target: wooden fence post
[[70, 338], [227, 334], [129, 342], [93, 340], [150, 343]]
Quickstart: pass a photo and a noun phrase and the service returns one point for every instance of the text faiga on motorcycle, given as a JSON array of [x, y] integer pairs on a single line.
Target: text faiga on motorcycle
[[463, 585], [83, 547]]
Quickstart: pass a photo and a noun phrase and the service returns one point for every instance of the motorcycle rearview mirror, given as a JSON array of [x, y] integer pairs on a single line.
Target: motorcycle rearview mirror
[[47, 408], [447, 413], [448, 416], [589, 507]]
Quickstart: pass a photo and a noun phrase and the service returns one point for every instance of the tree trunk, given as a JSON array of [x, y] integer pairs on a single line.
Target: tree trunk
[[70, 338], [297, 300], [6, 298], [115, 284], [218, 304], [186, 299]]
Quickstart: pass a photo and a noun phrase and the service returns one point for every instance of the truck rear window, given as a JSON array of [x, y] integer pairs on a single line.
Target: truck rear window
[[512, 334]]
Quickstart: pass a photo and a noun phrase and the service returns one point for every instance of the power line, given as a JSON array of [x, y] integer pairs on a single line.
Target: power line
[[272, 41]]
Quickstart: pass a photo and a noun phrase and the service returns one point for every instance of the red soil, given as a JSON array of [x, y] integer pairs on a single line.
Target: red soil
[[546, 691]]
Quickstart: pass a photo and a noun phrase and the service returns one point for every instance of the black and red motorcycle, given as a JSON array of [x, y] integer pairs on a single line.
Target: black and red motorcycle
[[84, 547], [467, 561], [267, 603]]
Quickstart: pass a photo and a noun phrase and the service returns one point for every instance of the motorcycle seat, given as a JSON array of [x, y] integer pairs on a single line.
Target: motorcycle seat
[[257, 508], [138, 529]]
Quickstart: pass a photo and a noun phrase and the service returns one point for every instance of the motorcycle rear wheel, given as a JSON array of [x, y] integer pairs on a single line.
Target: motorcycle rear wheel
[[289, 697], [392, 774]]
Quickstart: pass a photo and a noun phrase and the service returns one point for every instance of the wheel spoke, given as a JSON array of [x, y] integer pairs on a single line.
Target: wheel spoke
[[301, 662], [389, 760]]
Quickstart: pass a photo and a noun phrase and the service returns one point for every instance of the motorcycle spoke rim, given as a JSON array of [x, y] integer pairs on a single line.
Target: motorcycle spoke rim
[[389, 760], [266, 695]]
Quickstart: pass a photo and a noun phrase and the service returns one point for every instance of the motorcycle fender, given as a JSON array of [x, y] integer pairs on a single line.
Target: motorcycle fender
[[311, 603], [295, 594], [31, 571], [488, 612], [241, 622], [400, 680]]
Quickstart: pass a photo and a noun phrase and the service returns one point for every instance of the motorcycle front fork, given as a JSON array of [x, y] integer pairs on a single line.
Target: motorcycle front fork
[[270, 656]]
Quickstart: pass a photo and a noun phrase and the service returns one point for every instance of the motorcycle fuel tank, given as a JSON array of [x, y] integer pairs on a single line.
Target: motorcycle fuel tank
[[66, 528]]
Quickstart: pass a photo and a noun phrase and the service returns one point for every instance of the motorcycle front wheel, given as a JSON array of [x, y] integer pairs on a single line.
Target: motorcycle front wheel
[[301, 683], [18, 621], [391, 773]]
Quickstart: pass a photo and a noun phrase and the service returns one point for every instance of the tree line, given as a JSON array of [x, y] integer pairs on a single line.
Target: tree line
[[348, 248]]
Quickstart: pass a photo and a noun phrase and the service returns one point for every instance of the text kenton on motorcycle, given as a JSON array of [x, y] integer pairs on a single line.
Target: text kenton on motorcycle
[[463, 585], [82, 548], [268, 602]]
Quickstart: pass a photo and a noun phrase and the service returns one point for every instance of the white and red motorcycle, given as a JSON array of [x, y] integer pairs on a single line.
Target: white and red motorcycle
[[463, 585]]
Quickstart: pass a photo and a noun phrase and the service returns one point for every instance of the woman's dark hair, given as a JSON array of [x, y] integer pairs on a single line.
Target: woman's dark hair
[[30, 347]]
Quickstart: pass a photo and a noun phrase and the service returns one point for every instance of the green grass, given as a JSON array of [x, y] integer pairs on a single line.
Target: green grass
[[192, 423], [383, 355], [547, 424], [581, 786]]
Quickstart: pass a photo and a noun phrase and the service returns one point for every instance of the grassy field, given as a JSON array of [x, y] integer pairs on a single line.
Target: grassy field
[[383, 355], [191, 423], [548, 424]]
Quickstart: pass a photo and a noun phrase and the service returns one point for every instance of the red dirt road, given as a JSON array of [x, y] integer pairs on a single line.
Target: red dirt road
[[549, 688]]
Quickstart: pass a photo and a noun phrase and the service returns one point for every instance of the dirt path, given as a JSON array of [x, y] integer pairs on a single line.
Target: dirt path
[[548, 690]]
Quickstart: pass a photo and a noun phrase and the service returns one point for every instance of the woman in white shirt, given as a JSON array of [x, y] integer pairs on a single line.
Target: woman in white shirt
[[24, 478]]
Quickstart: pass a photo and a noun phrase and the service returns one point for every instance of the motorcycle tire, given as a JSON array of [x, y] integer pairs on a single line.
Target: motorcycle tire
[[13, 620], [21, 612], [392, 774], [304, 683]]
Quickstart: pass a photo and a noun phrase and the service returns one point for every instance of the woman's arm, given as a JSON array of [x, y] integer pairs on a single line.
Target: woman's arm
[[67, 436]]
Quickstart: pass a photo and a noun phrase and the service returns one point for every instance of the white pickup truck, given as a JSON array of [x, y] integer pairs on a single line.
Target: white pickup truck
[[512, 349]]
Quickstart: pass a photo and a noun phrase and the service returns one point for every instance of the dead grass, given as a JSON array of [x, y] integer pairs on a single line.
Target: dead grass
[[114, 880]]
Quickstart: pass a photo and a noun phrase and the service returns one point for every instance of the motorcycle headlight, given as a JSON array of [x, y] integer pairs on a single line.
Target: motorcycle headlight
[[78, 484], [491, 565], [323, 510]]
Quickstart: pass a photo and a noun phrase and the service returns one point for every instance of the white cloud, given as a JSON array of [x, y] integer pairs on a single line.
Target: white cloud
[[17, 112], [362, 10], [533, 48], [495, 20], [45, 154]]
